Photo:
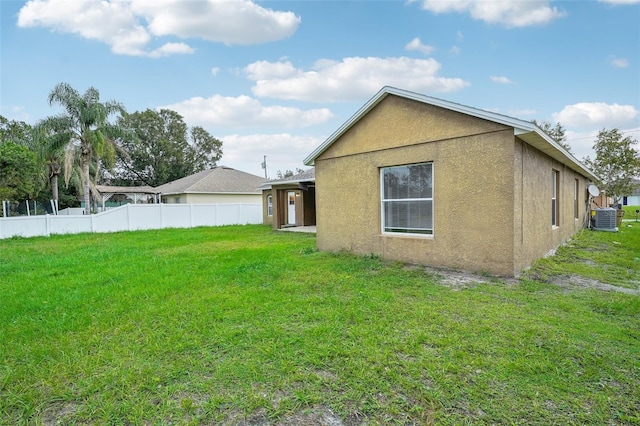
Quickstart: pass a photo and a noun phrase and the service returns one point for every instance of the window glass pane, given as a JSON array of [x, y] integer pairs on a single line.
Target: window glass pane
[[413, 181], [408, 216], [407, 205], [420, 181]]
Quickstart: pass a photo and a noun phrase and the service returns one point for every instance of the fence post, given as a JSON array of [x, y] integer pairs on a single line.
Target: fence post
[[47, 225], [190, 215], [128, 217]]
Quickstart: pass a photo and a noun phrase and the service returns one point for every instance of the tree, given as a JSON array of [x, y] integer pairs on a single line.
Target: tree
[[288, 173], [615, 164], [92, 135], [18, 171], [164, 149], [50, 142], [557, 133], [16, 131], [206, 149]]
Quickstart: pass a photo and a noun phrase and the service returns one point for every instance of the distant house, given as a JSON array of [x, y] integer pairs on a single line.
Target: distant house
[[633, 199], [423, 180], [218, 185], [290, 201]]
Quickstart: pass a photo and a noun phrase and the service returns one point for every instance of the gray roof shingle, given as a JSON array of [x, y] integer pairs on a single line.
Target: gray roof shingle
[[220, 179]]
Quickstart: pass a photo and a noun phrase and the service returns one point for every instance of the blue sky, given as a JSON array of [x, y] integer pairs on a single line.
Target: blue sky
[[276, 78]]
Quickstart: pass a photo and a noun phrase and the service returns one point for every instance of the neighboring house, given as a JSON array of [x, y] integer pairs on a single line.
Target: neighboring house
[[633, 199], [423, 180], [218, 185], [290, 201]]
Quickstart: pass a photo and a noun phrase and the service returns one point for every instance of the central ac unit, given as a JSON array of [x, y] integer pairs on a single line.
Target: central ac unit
[[604, 220]]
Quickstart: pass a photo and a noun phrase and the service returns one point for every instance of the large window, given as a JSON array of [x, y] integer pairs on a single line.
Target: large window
[[407, 198], [554, 197]]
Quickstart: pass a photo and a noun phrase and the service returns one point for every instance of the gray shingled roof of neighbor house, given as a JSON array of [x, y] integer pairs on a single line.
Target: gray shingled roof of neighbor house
[[220, 179]]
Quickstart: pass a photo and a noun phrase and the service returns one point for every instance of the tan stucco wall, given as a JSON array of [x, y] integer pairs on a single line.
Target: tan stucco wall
[[473, 199], [534, 235]]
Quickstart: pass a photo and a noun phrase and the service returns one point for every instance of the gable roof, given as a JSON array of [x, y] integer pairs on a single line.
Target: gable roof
[[525, 130], [305, 176], [218, 180]]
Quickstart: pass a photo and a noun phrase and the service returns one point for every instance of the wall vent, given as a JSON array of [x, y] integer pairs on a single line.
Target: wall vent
[[605, 220]]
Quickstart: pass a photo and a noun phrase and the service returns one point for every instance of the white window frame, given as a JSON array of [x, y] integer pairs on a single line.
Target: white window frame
[[270, 205], [576, 191], [555, 213], [428, 232]]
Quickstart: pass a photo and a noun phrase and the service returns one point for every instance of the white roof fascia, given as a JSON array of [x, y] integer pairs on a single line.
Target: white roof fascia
[[287, 182], [523, 129], [269, 185]]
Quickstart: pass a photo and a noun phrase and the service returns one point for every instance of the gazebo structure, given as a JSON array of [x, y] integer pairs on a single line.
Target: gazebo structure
[[147, 194]]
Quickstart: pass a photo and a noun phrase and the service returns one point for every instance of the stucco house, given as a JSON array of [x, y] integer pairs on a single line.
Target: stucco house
[[218, 185], [423, 180], [290, 201]]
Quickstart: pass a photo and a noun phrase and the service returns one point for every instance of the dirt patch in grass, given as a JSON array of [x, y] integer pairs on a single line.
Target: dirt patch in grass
[[313, 416], [58, 413], [579, 281], [458, 280]]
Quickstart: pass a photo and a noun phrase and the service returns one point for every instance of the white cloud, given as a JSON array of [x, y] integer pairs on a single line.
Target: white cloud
[[171, 49], [348, 80], [506, 12], [500, 79], [229, 22], [215, 70], [128, 26], [284, 152], [14, 112], [271, 70], [416, 44], [455, 50], [243, 111], [110, 22], [620, 62], [597, 114]]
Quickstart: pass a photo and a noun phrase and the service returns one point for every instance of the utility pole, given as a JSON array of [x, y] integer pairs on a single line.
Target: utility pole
[[264, 166]]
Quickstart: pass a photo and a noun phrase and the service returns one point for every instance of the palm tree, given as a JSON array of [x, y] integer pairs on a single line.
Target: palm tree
[[50, 138], [91, 134]]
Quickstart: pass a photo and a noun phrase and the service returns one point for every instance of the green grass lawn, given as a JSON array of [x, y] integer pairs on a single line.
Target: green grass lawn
[[630, 212], [609, 257], [242, 325]]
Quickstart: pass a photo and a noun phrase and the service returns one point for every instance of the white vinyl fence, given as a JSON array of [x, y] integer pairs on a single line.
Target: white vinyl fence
[[133, 217]]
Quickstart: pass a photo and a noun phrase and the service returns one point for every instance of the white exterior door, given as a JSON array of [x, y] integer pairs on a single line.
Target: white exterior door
[[291, 208]]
